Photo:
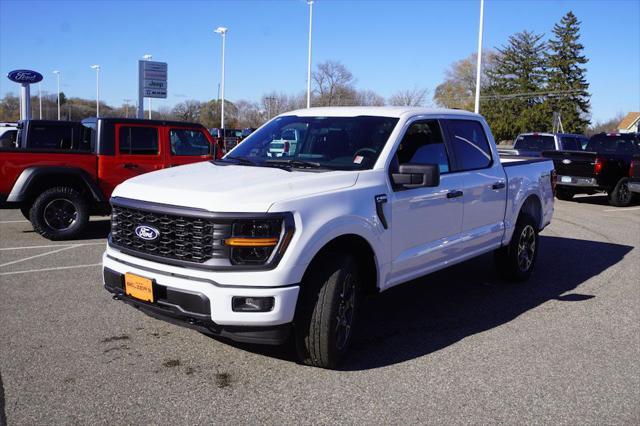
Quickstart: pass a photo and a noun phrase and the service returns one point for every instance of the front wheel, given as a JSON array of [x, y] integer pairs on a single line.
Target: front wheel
[[517, 260], [329, 302], [621, 196], [59, 213]]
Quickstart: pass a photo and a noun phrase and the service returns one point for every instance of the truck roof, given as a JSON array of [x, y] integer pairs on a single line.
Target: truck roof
[[381, 111], [142, 121], [549, 134]]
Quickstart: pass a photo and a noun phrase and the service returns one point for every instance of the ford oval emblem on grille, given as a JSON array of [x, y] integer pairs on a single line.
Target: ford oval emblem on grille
[[147, 233], [566, 161]]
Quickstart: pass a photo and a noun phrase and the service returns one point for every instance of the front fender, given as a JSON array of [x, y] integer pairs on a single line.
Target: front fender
[[366, 228]]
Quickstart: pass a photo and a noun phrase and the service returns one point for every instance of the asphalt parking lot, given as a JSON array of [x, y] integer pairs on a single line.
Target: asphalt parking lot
[[459, 346]]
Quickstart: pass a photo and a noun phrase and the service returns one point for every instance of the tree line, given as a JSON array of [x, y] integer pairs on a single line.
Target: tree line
[[526, 83], [333, 85]]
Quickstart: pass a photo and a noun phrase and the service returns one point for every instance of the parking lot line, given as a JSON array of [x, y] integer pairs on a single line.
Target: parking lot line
[[37, 255], [14, 221], [621, 209], [53, 245], [49, 269]]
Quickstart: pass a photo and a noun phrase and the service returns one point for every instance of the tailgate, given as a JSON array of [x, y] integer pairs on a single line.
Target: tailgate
[[572, 163]]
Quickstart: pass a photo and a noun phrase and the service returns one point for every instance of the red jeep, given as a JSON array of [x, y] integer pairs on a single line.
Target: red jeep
[[58, 173]]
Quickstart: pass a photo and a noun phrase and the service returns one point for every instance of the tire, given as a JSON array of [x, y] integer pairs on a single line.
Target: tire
[[59, 213], [517, 260], [621, 196], [25, 210], [329, 303], [564, 194]]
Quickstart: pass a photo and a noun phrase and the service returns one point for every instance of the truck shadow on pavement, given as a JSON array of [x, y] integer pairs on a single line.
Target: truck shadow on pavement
[[96, 229], [438, 310]]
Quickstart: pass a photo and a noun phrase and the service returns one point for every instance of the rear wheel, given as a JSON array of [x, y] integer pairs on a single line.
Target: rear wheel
[[621, 196], [517, 260], [564, 194], [59, 213], [327, 312]]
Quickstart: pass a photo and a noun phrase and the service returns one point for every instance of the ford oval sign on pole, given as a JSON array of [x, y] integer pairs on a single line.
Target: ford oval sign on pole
[[25, 78]]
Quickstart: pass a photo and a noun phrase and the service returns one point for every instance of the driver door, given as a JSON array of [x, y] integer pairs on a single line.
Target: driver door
[[426, 223]]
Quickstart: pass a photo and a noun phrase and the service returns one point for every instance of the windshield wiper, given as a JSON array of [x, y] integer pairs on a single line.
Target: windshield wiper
[[243, 160], [295, 163]]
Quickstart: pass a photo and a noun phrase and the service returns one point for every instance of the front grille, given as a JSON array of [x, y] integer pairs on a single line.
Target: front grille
[[183, 238]]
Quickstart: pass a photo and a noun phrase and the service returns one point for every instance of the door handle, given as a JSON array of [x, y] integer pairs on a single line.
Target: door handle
[[498, 185], [130, 166], [454, 194]]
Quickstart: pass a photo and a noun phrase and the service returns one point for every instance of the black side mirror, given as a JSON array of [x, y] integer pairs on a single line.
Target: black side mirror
[[417, 175]]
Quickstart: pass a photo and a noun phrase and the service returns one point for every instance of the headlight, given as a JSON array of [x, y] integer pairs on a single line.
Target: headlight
[[257, 241]]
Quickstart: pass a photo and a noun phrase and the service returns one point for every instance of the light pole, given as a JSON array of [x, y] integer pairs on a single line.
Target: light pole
[[57, 73], [126, 107], [223, 32], [310, 3], [40, 98], [479, 59], [97, 68], [147, 57]]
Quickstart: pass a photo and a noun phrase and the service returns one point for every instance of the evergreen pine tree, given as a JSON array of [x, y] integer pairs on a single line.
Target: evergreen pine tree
[[566, 74], [519, 71]]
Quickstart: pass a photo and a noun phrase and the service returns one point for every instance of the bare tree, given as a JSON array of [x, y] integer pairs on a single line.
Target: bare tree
[[369, 98], [334, 85], [188, 110], [409, 97], [249, 114], [458, 89]]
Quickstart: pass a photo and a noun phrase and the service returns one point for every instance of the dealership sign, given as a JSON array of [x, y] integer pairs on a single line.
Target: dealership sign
[[152, 77], [25, 76]]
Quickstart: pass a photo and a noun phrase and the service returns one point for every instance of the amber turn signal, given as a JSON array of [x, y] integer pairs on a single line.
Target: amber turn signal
[[251, 242]]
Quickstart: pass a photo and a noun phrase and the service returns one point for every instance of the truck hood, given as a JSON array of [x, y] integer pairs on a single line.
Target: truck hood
[[230, 188]]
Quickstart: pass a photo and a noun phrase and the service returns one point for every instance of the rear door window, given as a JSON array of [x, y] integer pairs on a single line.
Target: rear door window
[[188, 142], [470, 145], [138, 140]]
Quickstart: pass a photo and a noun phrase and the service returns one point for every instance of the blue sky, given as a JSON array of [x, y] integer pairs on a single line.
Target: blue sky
[[388, 45]]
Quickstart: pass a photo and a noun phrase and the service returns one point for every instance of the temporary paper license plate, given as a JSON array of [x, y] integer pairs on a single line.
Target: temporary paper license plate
[[138, 287], [566, 179]]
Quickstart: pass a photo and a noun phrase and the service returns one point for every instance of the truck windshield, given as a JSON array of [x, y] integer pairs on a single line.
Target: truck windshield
[[614, 143], [535, 143], [340, 143]]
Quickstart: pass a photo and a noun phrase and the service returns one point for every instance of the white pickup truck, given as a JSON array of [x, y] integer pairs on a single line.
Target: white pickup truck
[[258, 249]]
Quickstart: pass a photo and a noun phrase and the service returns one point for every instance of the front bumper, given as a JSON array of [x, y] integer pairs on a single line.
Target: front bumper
[[634, 185], [206, 305], [578, 181]]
